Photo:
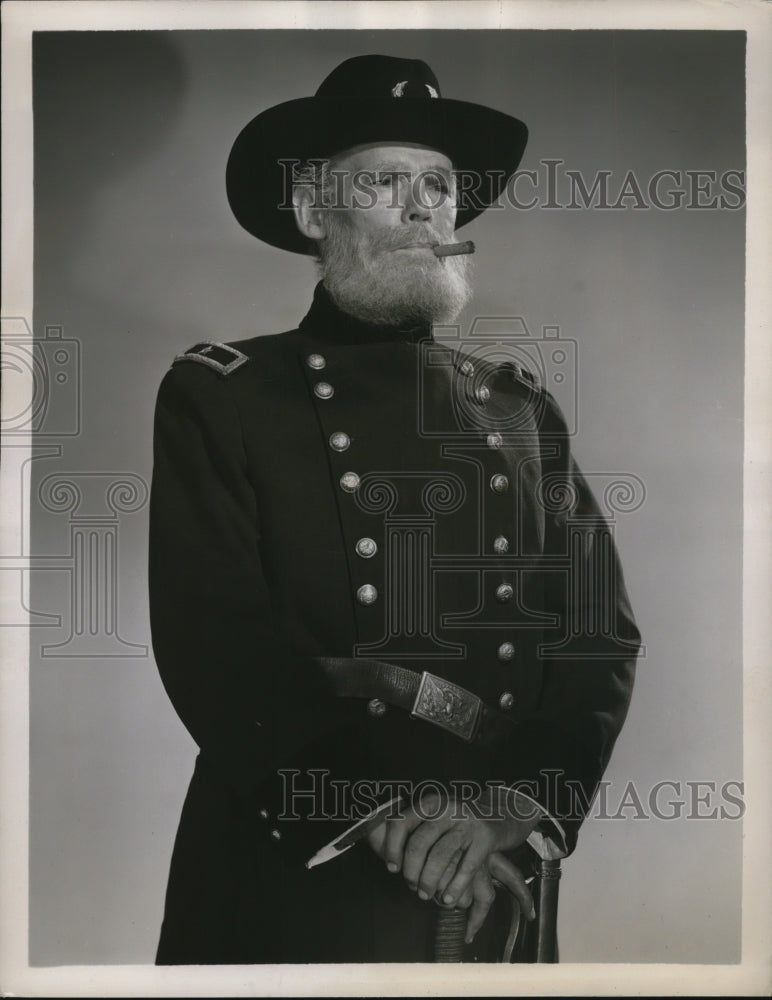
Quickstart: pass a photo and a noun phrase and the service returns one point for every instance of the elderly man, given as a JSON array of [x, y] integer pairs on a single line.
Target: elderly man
[[364, 561]]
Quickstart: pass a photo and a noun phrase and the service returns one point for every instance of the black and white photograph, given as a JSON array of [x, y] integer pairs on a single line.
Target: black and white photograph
[[385, 528]]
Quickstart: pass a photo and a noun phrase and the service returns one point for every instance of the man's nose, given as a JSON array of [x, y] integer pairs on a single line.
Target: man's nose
[[416, 208]]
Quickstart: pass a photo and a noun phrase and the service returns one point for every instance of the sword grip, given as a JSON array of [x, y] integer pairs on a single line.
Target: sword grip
[[449, 935]]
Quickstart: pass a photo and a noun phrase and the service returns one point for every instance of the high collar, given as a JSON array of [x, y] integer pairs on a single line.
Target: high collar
[[326, 321]]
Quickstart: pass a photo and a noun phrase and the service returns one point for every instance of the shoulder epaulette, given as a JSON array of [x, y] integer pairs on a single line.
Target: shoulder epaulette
[[222, 358]]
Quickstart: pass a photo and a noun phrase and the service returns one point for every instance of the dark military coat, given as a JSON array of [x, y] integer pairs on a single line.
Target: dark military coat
[[346, 491]]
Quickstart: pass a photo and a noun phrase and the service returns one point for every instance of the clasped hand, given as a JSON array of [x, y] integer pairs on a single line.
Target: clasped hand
[[454, 857]]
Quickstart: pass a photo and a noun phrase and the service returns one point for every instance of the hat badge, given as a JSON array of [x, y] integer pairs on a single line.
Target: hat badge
[[398, 90]]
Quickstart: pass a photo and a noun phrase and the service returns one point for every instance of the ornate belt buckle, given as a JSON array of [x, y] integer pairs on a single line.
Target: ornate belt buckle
[[447, 705]]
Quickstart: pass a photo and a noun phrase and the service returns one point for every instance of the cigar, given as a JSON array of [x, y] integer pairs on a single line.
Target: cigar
[[453, 249]]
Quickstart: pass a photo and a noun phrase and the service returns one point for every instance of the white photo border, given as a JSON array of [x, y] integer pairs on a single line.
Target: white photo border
[[752, 975]]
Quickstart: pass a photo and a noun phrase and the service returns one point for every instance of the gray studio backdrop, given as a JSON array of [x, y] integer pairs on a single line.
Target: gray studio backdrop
[[137, 257]]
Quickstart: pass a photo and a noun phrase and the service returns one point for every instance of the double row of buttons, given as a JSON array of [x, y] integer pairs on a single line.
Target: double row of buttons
[[482, 394], [366, 548], [499, 483], [340, 441]]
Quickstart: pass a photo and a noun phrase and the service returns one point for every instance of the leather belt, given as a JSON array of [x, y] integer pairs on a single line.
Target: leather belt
[[426, 696]]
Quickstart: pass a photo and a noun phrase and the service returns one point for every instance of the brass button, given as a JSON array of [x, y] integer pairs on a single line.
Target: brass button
[[494, 440], [366, 548], [499, 483], [323, 390], [367, 594], [504, 592], [506, 651], [500, 545], [506, 701], [482, 394], [339, 441], [263, 814], [349, 482], [466, 368], [316, 361], [376, 707], [275, 835]]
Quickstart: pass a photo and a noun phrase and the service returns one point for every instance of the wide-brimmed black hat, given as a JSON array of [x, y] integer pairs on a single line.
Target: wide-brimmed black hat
[[367, 99]]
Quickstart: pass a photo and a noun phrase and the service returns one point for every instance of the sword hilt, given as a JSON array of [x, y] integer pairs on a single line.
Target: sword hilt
[[536, 944], [449, 935]]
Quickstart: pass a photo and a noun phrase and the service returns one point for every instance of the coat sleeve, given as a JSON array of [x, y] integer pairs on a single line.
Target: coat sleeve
[[588, 658], [250, 706]]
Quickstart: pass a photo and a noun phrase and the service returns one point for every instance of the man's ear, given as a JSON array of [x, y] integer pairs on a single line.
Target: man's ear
[[309, 215]]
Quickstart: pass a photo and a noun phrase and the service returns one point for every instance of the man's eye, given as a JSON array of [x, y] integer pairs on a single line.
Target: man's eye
[[437, 183]]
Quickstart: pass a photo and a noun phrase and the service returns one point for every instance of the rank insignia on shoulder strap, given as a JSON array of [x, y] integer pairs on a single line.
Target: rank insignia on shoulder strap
[[221, 357]]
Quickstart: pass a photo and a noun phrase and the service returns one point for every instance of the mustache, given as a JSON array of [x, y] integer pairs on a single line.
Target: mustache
[[385, 239], [405, 236]]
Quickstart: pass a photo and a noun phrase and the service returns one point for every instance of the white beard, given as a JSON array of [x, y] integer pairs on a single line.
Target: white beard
[[405, 290]]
